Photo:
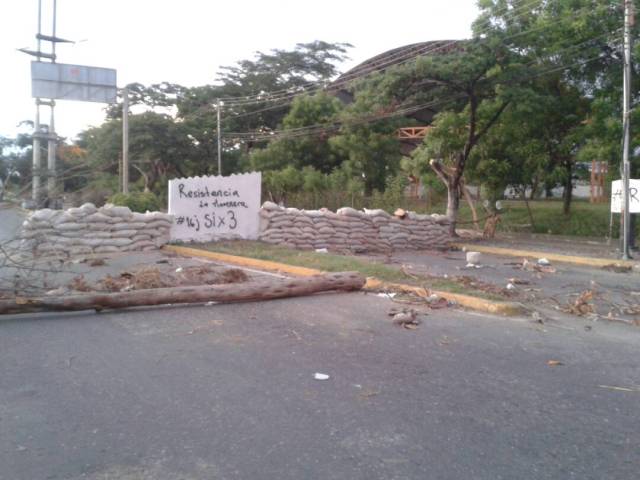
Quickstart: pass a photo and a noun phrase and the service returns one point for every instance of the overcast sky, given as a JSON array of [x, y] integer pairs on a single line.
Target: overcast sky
[[186, 41]]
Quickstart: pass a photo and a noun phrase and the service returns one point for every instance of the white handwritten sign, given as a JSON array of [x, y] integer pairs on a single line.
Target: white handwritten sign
[[207, 208], [634, 196]]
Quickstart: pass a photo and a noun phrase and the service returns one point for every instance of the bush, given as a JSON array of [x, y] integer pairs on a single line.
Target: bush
[[137, 201]]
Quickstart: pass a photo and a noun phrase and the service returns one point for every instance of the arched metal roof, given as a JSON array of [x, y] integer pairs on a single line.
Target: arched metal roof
[[390, 58]]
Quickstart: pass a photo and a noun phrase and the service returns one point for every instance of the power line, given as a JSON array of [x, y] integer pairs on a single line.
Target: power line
[[420, 50], [405, 56], [322, 128]]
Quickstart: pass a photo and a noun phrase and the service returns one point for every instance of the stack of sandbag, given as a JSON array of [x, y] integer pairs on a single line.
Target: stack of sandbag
[[88, 229], [412, 230], [350, 229], [362, 231]]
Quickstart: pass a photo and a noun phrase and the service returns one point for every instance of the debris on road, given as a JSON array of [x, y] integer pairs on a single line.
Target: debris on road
[[617, 268], [386, 294], [472, 265], [249, 291], [151, 277], [536, 267], [406, 318], [620, 389], [581, 306], [79, 284], [474, 258], [543, 262], [436, 302], [474, 283], [554, 363], [321, 376]]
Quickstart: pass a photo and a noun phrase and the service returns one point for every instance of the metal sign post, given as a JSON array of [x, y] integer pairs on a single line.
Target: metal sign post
[[626, 124], [125, 140], [219, 105], [55, 81]]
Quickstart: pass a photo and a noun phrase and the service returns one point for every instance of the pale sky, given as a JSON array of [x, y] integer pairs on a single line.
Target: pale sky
[[186, 41]]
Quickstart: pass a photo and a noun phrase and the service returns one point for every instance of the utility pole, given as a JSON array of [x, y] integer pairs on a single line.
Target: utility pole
[[52, 142], [219, 105], [125, 140], [37, 155], [38, 135], [626, 127], [37, 162], [51, 159]]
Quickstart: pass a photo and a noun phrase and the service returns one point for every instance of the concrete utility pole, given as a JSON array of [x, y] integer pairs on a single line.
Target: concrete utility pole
[[626, 127], [219, 105], [38, 136], [37, 162], [52, 144], [37, 155], [125, 140]]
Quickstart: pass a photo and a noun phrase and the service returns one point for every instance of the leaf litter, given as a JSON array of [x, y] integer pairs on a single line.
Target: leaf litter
[[151, 277]]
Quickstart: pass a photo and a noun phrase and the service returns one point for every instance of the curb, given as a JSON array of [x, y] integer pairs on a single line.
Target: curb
[[244, 261], [467, 301], [556, 257], [507, 309]]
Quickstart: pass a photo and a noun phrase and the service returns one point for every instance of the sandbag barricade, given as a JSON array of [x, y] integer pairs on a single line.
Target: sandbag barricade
[[88, 229], [350, 229]]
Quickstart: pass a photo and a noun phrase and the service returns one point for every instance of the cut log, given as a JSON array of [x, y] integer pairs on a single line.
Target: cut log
[[235, 292]]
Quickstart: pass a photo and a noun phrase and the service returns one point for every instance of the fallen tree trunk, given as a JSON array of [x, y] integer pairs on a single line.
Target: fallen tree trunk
[[234, 292]]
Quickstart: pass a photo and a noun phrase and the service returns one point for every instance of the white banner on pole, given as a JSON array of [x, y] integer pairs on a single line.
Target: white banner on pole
[[62, 81], [209, 208], [634, 196]]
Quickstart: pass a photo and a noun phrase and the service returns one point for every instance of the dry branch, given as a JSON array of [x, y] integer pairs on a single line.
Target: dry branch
[[250, 291]]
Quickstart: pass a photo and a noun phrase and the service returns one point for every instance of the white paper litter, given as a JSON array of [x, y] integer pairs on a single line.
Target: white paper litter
[[321, 376], [386, 294]]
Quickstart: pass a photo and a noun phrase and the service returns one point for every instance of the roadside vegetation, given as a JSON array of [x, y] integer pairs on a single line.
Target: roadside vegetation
[[331, 262], [530, 100]]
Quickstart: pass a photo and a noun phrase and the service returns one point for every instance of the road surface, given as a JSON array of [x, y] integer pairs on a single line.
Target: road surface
[[228, 392]]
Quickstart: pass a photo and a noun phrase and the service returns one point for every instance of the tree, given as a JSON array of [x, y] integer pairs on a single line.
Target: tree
[[16, 156], [159, 147], [285, 72], [572, 47], [367, 139], [464, 85], [304, 150]]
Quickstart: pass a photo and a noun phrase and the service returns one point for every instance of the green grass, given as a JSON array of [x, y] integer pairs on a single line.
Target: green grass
[[329, 262], [585, 219]]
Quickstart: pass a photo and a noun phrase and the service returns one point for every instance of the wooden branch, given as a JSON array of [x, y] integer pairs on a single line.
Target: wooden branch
[[234, 292], [144, 175], [492, 120], [472, 138], [467, 197], [439, 170]]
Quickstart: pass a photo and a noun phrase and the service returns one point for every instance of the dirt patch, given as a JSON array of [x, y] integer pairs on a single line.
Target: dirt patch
[[152, 277]]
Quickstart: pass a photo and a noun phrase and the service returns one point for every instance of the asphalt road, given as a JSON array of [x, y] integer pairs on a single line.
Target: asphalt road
[[614, 292], [10, 221], [227, 392]]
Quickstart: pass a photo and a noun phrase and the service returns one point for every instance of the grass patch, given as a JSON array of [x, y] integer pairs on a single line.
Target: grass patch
[[585, 219], [330, 262]]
